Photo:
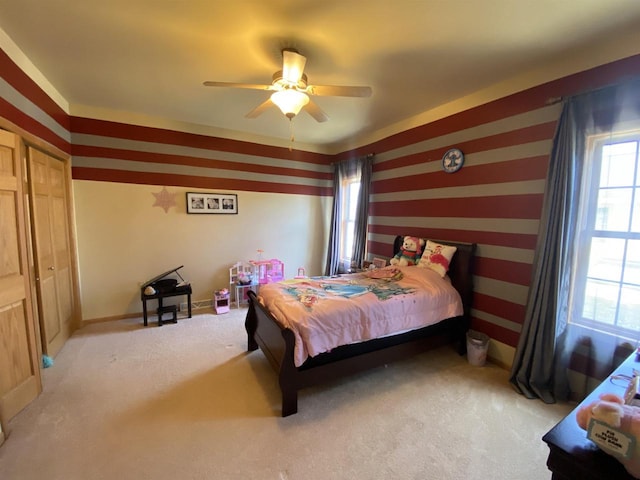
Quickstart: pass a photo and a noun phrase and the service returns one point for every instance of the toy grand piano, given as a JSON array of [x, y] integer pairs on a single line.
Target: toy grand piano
[[161, 287]]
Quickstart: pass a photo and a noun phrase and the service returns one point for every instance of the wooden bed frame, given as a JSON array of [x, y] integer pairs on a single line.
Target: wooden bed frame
[[277, 343]]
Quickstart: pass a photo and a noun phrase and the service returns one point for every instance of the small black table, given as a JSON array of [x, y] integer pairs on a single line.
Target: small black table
[[571, 454]]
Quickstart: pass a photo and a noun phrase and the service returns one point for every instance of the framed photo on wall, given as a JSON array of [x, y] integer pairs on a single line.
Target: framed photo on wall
[[223, 203]]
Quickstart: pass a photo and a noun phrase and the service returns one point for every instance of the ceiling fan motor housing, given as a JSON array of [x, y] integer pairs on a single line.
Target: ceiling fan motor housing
[[278, 80]]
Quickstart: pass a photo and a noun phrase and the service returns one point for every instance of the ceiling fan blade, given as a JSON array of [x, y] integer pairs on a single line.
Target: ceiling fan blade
[[292, 66], [316, 112], [259, 110], [253, 86], [339, 91]]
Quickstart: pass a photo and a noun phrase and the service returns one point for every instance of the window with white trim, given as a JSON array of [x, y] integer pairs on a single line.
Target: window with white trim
[[606, 289], [351, 190]]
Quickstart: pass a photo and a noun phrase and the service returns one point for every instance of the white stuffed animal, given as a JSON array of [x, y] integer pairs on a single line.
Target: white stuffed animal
[[409, 253]]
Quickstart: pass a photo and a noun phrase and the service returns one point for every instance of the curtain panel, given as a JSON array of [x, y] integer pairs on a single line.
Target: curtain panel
[[362, 213], [552, 349]]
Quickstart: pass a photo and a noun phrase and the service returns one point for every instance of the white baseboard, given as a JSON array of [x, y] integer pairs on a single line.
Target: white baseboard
[[196, 305], [501, 354]]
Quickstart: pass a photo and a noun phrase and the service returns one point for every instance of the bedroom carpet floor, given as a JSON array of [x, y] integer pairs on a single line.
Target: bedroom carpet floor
[[185, 401]]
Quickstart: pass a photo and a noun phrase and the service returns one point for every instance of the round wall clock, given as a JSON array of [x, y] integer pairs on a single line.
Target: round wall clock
[[452, 160]]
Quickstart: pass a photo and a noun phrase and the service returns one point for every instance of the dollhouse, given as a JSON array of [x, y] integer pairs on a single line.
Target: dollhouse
[[245, 276]]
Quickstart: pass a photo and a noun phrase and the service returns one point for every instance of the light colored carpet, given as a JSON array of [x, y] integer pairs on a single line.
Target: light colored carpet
[[186, 401]]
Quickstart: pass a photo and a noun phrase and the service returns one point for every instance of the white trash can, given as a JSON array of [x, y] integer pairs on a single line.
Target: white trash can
[[477, 346]]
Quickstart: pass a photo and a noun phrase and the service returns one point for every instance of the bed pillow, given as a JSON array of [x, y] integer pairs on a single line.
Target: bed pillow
[[437, 257]]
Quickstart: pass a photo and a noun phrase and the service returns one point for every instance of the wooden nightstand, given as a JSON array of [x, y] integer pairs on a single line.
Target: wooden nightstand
[[571, 454]]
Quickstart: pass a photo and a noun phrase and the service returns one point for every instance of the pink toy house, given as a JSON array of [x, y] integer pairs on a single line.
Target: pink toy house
[[268, 271]]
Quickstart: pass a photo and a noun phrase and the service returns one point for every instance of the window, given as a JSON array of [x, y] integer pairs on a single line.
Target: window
[[351, 189], [347, 237], [606, 293]]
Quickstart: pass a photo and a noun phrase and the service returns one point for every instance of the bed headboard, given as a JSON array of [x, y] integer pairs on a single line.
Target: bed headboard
[[460, 269]]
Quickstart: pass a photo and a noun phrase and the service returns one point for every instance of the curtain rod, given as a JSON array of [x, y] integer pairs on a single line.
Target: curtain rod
[[620, 81], [368, 155]]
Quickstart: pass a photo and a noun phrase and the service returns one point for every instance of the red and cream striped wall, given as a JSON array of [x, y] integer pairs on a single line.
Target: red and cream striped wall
[[115, 152], [495, 200]]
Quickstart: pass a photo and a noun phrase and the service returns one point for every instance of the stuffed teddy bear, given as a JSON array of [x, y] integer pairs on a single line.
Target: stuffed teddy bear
[[409, 253], [615, 429]]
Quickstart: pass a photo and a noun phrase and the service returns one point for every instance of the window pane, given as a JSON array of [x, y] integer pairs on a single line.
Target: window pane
[[635, 220], [348, 243], [349, 207], [629, 308], [614, 208], [354, 190], [600, 301], [618, 165], [632, 263], [605, 259]]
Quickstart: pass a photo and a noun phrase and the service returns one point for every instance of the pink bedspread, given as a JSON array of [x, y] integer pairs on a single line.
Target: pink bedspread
[[324, 313]]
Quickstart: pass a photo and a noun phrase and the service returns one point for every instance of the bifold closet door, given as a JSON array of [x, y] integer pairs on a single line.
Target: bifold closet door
[[19, 363], [52, 252]]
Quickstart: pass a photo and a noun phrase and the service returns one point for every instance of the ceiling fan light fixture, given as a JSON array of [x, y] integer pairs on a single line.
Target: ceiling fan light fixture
[[290, 101]]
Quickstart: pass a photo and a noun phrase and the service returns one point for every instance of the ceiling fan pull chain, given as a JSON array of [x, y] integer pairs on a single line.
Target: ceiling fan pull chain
[[291, 139]]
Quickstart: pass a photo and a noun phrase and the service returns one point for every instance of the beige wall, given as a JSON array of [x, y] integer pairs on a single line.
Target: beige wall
[[123, 240]]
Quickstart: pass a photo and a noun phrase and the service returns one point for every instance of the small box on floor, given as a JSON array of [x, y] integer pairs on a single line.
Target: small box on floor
[[221, 301]]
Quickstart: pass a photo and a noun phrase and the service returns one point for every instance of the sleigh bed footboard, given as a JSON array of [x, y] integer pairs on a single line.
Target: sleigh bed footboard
[[277, 344]]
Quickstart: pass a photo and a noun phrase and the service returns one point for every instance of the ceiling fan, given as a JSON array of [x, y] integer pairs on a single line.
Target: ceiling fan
[[291, 89]]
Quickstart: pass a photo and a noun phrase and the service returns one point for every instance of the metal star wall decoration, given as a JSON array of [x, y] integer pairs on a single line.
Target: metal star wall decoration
[[165, 199]]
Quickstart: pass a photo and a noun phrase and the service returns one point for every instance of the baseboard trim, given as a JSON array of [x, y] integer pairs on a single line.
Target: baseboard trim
[[200, 309], [500, 354], [498, 363], [112, 318]]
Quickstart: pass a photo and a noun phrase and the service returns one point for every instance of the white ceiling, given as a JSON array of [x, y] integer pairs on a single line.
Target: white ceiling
[[147, 59]]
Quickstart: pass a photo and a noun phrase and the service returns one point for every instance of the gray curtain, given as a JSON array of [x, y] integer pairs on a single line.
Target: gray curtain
[[548, 341], [359, 167], [362, 212]]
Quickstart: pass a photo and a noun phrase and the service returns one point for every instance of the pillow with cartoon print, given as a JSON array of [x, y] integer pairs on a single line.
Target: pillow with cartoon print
[[437, 257]]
